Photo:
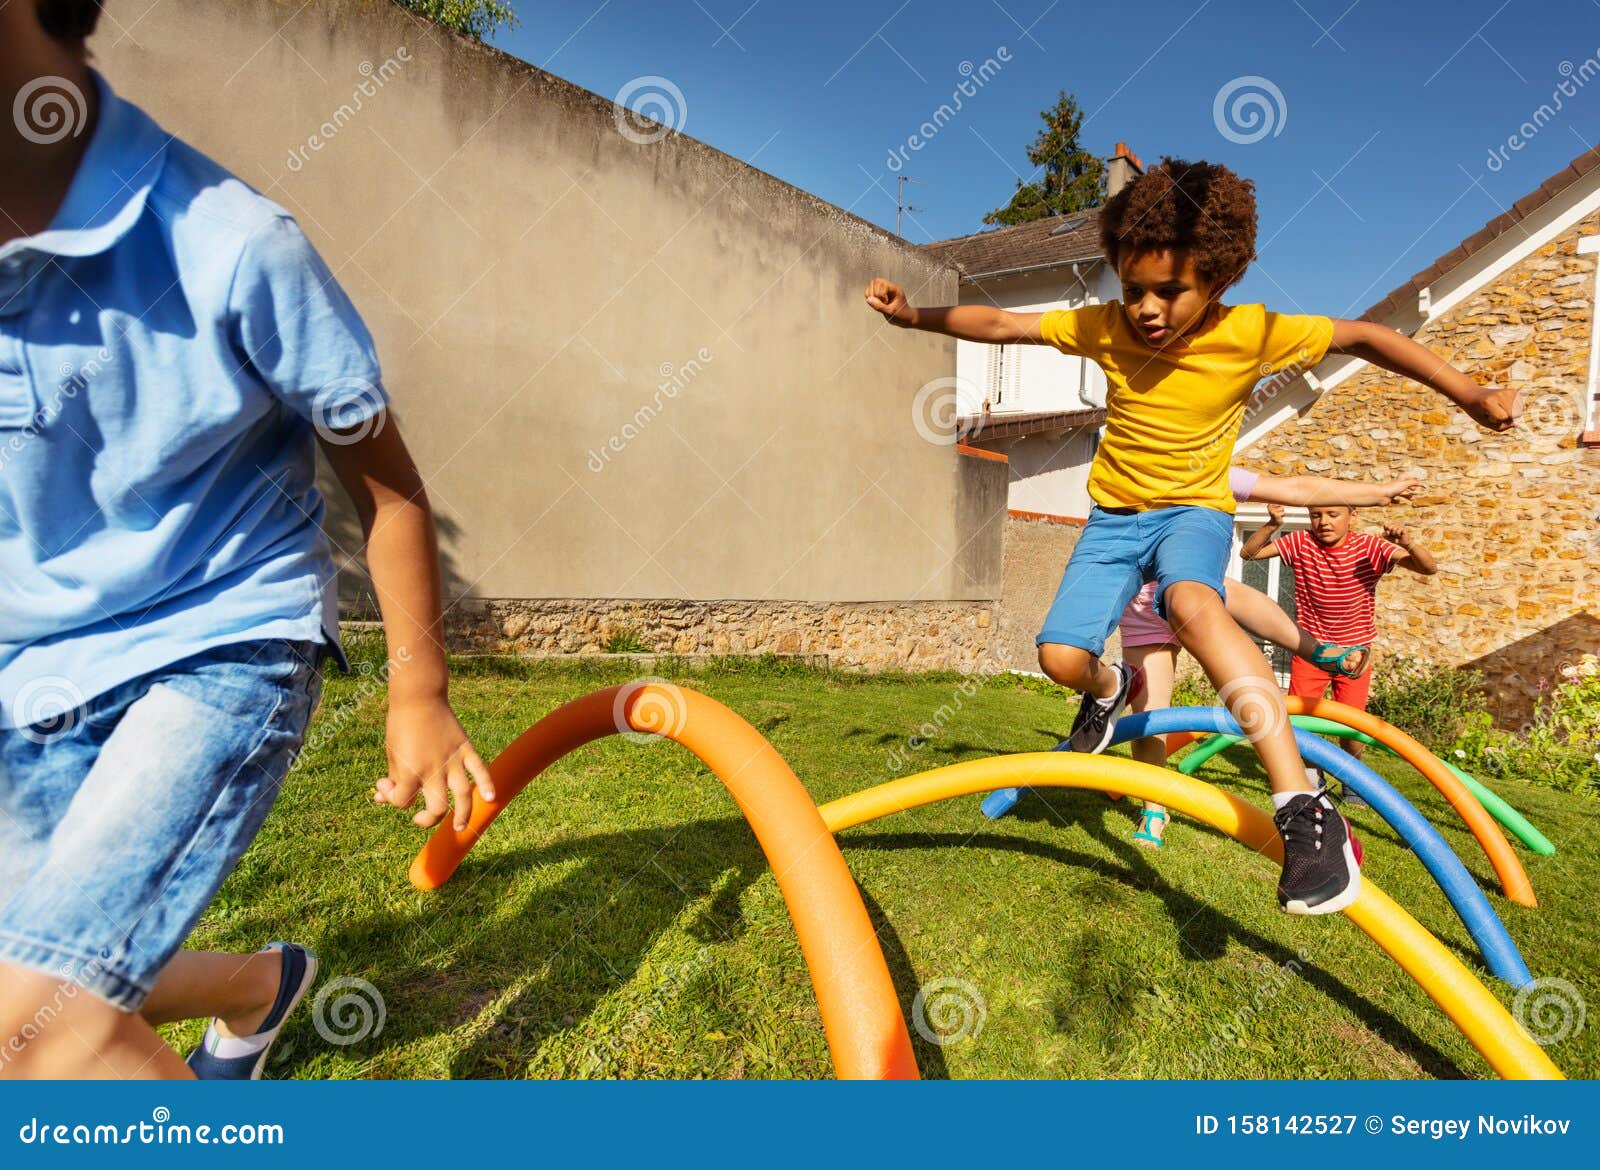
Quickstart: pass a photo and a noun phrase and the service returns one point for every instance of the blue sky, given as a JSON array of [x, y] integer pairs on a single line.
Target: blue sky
[[1383, 115]]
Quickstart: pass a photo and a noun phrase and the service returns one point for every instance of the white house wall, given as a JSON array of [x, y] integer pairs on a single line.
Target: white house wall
[[1051, 475], [1047, 379]]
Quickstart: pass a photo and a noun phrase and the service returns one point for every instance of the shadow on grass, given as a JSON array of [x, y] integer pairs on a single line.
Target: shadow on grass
[[1205, 930], [587, 937]]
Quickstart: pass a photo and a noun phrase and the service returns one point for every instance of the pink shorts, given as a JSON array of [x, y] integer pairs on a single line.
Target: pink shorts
[[1140, 625]]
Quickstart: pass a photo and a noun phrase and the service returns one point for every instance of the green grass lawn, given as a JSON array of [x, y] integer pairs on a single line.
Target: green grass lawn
[[620, 921]]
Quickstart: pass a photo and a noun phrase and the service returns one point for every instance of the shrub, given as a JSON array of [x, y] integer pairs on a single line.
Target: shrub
[[1437, 705], [1560, 748]]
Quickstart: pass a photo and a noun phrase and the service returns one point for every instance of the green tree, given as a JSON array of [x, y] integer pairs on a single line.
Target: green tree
[[1074, 178], [471, 18]]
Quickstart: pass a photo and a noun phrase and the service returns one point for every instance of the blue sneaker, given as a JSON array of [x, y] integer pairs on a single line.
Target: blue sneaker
[[241, 1058]]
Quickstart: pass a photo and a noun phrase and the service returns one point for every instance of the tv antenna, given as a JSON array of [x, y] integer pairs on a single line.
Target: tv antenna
[[900, 204]]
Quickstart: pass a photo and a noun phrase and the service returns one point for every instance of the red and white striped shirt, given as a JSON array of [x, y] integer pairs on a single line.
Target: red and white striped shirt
[[1335, 588]]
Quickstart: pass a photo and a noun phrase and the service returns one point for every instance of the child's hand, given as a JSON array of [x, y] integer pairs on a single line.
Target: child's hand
[[1394, 534], [1496, 410], [889, 299], [1274, 514], [1401, 489], [429, 750]]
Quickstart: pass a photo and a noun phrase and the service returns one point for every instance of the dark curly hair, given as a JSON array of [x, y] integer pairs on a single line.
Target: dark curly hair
[[1199, 206], [68, 20]]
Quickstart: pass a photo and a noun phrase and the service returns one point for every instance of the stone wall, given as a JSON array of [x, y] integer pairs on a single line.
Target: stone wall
[[929, 635], [1512, 519], [901, 636]]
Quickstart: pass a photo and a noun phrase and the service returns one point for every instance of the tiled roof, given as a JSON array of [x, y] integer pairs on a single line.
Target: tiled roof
[[1032, 245], [1027, 245], [1405, 297], [980, 428]]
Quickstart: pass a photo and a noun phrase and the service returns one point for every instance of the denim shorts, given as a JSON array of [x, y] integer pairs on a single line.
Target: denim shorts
[[121, 819], [1120, 551]]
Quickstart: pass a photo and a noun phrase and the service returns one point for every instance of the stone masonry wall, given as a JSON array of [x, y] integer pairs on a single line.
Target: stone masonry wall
[[1512, 519], [871, 636], [970, 636]]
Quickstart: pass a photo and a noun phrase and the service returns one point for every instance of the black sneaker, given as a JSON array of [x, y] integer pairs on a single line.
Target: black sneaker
[[1091, 730], [1321, 856]]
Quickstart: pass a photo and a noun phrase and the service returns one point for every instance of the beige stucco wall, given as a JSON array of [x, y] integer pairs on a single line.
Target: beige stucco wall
[[540, 285], [1512, 518]]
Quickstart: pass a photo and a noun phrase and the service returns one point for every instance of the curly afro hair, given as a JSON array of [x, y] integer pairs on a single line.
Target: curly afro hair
[[68, 20], [1199, 206]]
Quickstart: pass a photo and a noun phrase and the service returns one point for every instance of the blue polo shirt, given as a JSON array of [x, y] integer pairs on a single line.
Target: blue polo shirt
[[170, 347]]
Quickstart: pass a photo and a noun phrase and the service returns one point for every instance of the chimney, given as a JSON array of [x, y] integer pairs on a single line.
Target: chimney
[[1123, 167]]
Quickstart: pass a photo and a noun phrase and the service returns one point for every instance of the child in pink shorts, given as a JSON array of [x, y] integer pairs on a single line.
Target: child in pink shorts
[[1151, 648]]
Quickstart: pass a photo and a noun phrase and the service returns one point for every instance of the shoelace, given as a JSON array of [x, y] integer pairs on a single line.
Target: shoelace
[[1304, 824]]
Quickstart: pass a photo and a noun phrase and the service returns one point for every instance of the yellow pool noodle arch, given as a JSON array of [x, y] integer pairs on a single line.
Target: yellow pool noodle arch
[[1504, 1043]]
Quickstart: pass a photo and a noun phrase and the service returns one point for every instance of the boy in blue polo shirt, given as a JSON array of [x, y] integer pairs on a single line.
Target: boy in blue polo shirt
[[172, 352]]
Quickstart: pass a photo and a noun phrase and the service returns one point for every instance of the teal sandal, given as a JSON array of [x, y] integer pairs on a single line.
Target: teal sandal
[[1324, 657], [1143, 833]]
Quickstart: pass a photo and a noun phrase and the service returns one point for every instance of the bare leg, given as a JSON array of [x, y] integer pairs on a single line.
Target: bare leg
[[1242, 677], [237, 989], [1078, 669], [1160, 666], [52, 1028], [1264, 618]]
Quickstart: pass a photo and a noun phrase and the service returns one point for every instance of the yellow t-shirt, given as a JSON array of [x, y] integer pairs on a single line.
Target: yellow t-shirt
[[1172, 415]]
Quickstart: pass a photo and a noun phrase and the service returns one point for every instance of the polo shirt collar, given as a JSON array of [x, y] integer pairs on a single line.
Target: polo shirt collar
[[108, 194]]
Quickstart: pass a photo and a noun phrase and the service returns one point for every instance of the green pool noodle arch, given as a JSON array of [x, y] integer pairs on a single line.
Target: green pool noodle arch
[[1515, 822]]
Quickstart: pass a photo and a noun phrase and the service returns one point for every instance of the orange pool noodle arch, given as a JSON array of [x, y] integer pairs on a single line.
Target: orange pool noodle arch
[[861, 1014], [1513, 878]]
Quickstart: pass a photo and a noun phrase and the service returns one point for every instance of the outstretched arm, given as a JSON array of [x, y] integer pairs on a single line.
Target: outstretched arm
[[1310, 491], [1495, 409], [967, 322], [1261, 545]]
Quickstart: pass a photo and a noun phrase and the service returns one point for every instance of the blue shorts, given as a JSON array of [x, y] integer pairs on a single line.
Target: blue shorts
[[1118, 552], [121, 819]]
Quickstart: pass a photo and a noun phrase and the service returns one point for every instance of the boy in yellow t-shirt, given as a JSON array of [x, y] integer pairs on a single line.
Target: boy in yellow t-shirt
[[1180, 366]]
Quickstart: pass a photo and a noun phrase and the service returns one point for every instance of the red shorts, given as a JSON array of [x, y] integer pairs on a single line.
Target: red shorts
[[1310, 682]]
